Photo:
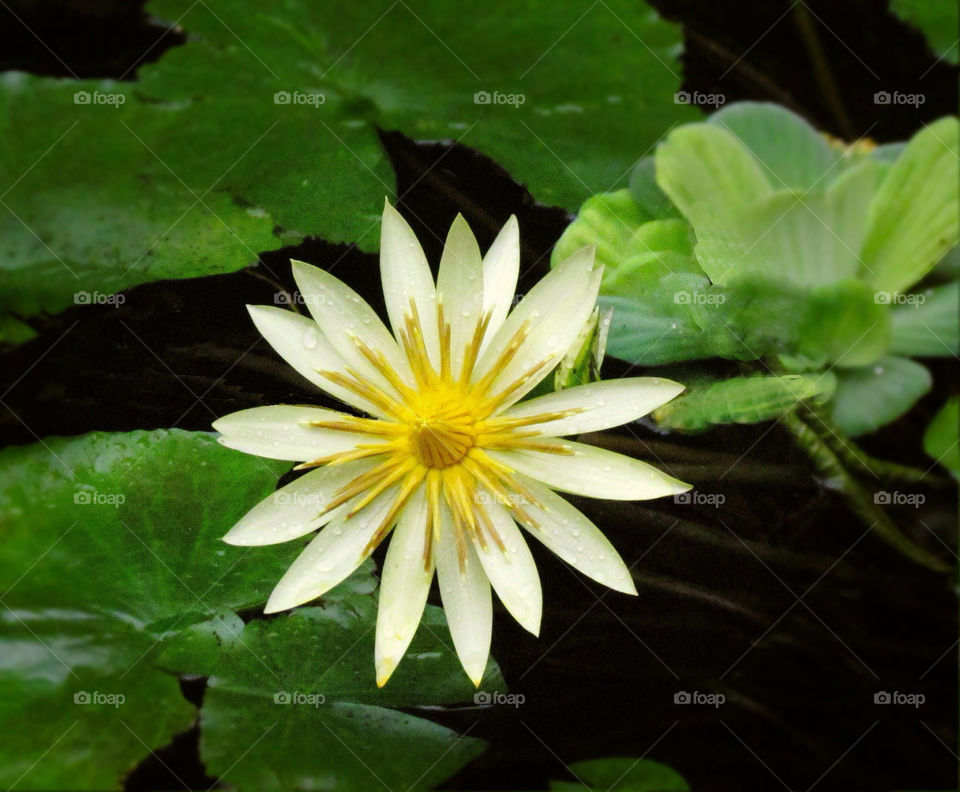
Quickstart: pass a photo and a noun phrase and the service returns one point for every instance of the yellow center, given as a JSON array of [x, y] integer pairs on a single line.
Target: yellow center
[[439, 444], [436, 433]]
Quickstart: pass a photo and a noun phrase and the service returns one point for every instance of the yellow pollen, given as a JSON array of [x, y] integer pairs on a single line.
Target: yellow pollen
[[440, 444]]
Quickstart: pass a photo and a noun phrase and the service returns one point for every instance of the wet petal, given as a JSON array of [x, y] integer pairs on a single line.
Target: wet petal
[[594, 472], [298, 508], [569, 534], [344, 316], [331, 557], [553, 312], [460, 284], [511, 571], [405, 583], [406, 278], [466, 600], [599, 405], [501, 269], [300, 342], [283, 431]]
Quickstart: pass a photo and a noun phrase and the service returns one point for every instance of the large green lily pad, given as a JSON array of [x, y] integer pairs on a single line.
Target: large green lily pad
[[262, 128]]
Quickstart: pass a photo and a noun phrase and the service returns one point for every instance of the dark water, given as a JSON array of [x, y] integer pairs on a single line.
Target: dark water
[[780, 598]]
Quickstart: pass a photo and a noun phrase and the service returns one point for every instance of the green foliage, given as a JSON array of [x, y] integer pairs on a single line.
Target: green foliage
[[196, 167], [298, 691], [112, 555], [914, 216], [874, 395], [942, 438], [752, 237], [927, 324], [581, 364], [938, 21], [742, 400], [622, 775]]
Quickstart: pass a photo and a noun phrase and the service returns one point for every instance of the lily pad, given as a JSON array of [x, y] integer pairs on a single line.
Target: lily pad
[[111, 542], [113, 555], [263, 128], [622, 775], [308, 714]]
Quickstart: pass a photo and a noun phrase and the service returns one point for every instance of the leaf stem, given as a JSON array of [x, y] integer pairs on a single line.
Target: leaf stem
[[830, 466]]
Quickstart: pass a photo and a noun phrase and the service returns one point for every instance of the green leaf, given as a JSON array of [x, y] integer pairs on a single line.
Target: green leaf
[[117, 580], [80, 702], [647, 193], [94, 208], [794, 154], [195, 169], [871, 396], [657, 326], [806, 239], [940, 440], [949, 265], [710, 176], [844, 324], [914, 216], [938, 21], [298, 691], [607, 220], [636, 248], [111, 542], [926, 324], [622, 775], [742, 400]]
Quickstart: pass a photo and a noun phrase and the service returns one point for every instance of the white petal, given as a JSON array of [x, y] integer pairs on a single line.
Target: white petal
[[466, 600], [555, 310], [460, 287], [342, 315], [569, 534], [331, 557], [406, 276], [601, 404], [404, 585], [282, 431], [594, 472], [501, 268], [295, 510], [299, 341], [512, 571]]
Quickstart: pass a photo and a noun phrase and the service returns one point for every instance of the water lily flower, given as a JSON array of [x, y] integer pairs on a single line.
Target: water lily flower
[[444, 453]]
